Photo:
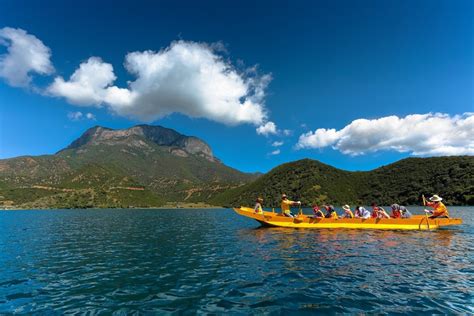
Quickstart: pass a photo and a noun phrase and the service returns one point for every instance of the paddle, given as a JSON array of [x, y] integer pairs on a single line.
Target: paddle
[[300, 212], [426, 214]]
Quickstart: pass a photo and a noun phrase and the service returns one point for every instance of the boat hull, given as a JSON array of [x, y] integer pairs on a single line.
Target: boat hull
[[417, 222]]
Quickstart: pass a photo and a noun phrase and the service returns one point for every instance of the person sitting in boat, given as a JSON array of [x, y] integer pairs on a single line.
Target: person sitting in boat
[[347, 212], [258, 206], [286, 204], [378, 212], [330, 212], [439, 209], [362, 212], [396, 213], [399, 211], [405, 212], [317, 212]]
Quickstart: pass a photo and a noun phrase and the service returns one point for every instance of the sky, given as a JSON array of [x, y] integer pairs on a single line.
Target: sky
[[354, 84]]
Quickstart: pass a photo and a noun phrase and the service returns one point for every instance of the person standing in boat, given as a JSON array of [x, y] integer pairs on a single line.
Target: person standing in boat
[[347, 212], [439, 209], [286, 204], [258, 206], [330, 212]]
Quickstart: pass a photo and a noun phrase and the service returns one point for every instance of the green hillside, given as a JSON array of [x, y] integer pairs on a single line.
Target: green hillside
[[150, 166], [403, 182], [145, 166]]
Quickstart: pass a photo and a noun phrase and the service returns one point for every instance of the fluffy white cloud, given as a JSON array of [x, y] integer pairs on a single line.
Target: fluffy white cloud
[[90, 85], [277, 143], [420, 134], [77, 116], [267, 129], [25, 54], [187, 77], [275, 152]]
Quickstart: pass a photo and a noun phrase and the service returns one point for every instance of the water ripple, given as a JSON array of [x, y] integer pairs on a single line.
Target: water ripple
[[212, 261]]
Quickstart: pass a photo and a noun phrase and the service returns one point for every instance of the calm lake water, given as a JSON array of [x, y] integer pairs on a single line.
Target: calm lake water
[[213, 261]]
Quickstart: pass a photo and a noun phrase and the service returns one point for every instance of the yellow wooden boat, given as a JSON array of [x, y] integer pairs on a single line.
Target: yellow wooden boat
[[416, 222]]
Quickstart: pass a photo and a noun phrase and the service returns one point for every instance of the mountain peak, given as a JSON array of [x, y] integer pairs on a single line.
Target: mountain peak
[[180, 145]]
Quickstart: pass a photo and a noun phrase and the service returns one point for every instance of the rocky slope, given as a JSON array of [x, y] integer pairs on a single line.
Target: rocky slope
[[143, 166]]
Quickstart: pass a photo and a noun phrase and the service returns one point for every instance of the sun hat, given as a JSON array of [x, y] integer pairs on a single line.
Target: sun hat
[[346, 207], [259, 199], [283, 196], [435, 198]]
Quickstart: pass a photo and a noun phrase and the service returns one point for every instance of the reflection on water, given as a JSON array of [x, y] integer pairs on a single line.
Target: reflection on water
[[215, 261]]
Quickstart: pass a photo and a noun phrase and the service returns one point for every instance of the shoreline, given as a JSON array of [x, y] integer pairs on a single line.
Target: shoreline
[[186, 207], [210, 207]]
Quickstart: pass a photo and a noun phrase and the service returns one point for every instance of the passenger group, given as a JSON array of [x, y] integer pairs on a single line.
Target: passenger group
[[398, 211]]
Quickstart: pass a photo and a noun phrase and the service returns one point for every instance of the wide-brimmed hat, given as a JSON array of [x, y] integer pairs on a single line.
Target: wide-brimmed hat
[[283, 196], [436, 198], [346, 207]]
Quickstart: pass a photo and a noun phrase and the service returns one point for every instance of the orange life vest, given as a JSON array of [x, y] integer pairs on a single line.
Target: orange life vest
[[439, 209]]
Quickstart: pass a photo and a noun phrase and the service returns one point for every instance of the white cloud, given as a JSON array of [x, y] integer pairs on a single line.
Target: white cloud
[[25, 54], [275, 152], [267, 129], [420, 134], [77, 116], [187, 77], [89, 85], [287, 132], [277, 143]]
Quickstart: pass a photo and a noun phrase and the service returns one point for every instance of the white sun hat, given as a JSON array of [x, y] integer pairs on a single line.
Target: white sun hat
[[346, 207], [435, 198]]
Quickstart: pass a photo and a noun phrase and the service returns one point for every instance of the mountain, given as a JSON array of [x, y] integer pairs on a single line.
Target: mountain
[[150, 166], [401, 182], [142, 166]]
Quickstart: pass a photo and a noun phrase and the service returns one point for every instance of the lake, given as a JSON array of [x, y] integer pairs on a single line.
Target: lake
[[214, 261]]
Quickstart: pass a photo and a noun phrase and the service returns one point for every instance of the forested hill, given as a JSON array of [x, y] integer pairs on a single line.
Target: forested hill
[[403, 182], [149, 166]]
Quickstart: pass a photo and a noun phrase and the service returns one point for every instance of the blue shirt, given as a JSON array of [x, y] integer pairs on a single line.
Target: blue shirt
[[405, 212]]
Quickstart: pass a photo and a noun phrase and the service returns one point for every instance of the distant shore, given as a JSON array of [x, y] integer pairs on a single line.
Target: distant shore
[[184, 206], [173, 206]]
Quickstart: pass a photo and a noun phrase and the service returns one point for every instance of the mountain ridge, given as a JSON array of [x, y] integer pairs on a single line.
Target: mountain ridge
[[160, 135], [158, 163], [150, 166]]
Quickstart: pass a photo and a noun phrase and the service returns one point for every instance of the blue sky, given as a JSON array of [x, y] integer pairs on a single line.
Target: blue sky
[[330, 62]]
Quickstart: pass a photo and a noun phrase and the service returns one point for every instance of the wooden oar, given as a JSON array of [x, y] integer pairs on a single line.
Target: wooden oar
[[426, 214], [300, 212]]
